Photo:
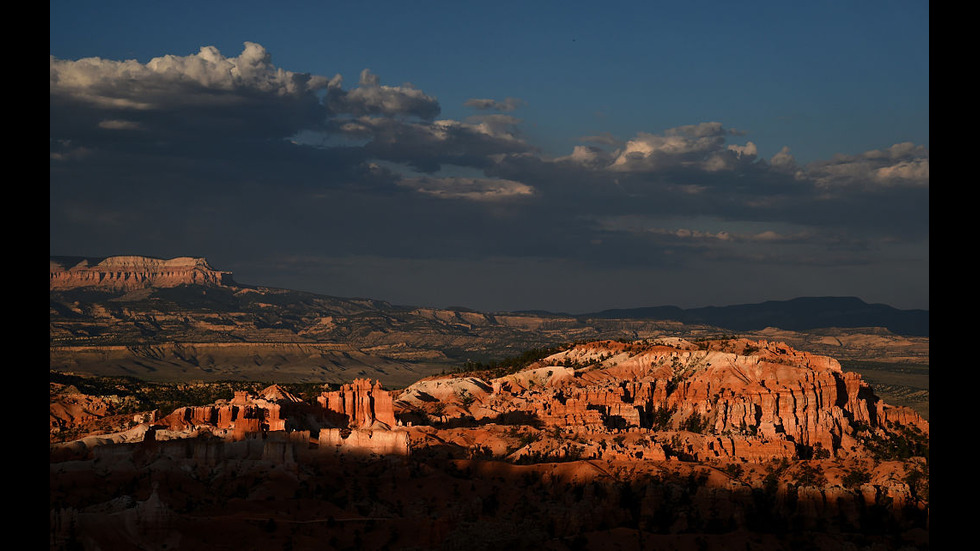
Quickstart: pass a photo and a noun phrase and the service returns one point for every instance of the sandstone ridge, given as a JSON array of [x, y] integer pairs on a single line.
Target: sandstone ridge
[[681, 444], [126, 273], [728, 399]]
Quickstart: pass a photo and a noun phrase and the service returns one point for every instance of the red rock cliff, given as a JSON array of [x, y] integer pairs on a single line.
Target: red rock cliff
[[362, 402]]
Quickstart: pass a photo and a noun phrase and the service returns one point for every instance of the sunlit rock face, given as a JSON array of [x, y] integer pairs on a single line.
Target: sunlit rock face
[[365, 404], [127, 273], [722, 399]]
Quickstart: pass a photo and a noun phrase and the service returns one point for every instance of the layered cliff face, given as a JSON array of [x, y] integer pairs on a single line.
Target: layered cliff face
[[365, 405], [127, 273], [726, 399]]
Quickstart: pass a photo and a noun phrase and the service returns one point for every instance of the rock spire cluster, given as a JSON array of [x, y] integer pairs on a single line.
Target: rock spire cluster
[[365, 404], [732, 399]]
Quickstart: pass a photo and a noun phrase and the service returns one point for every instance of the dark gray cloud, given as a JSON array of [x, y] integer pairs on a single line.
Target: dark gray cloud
[[245, 162], [427, 145]]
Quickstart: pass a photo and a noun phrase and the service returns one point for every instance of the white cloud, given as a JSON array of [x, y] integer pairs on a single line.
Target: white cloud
[[589, 156], [691, 145], [783, 160], [747, 150], [176, 80], [371, 98]]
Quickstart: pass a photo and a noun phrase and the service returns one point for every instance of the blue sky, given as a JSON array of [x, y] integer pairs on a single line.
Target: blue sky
[[559, 155]]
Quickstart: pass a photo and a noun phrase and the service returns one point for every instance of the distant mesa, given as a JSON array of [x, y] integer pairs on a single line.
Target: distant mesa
[[128, 273]]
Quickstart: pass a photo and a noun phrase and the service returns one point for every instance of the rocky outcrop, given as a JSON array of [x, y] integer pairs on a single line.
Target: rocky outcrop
[[72, 412], [364, 441], [236, 419], [127, 273], [725, 399], [364, 404]]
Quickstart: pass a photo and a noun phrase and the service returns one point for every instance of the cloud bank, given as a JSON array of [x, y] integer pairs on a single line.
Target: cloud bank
[[237, 155]]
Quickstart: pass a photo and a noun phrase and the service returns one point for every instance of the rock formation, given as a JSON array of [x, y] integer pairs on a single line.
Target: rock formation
[[670, 444], [364, 441], [366, 405], [235, 419], [357, 418], [126, 273], [212, 329], [727, 399]]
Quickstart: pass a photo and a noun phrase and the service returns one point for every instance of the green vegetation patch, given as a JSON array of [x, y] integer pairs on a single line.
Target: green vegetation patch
[[507, 366], [167, 397]]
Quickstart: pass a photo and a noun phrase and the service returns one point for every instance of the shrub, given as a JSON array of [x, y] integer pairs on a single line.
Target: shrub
[[694, 423], [661, 418], [734, 470], [856, 477]]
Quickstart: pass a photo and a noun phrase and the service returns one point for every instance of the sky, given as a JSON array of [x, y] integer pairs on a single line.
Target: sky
[[564, 156]]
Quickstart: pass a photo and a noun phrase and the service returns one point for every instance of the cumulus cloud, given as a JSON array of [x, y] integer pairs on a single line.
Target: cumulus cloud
[[901, 165], [498, 126], [204, 98], [181, 80], [700, 146], [370, 97], [588, 156], [263, 145]]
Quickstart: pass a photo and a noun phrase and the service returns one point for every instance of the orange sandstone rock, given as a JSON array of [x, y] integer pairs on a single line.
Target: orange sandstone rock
[[752, 400], [366, 405]]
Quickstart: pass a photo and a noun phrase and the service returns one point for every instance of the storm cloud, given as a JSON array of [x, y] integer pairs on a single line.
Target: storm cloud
[[240, 160]]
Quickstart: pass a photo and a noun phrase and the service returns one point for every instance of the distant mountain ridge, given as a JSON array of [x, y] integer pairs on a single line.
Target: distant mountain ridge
[[798, 314], [128, 273]]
